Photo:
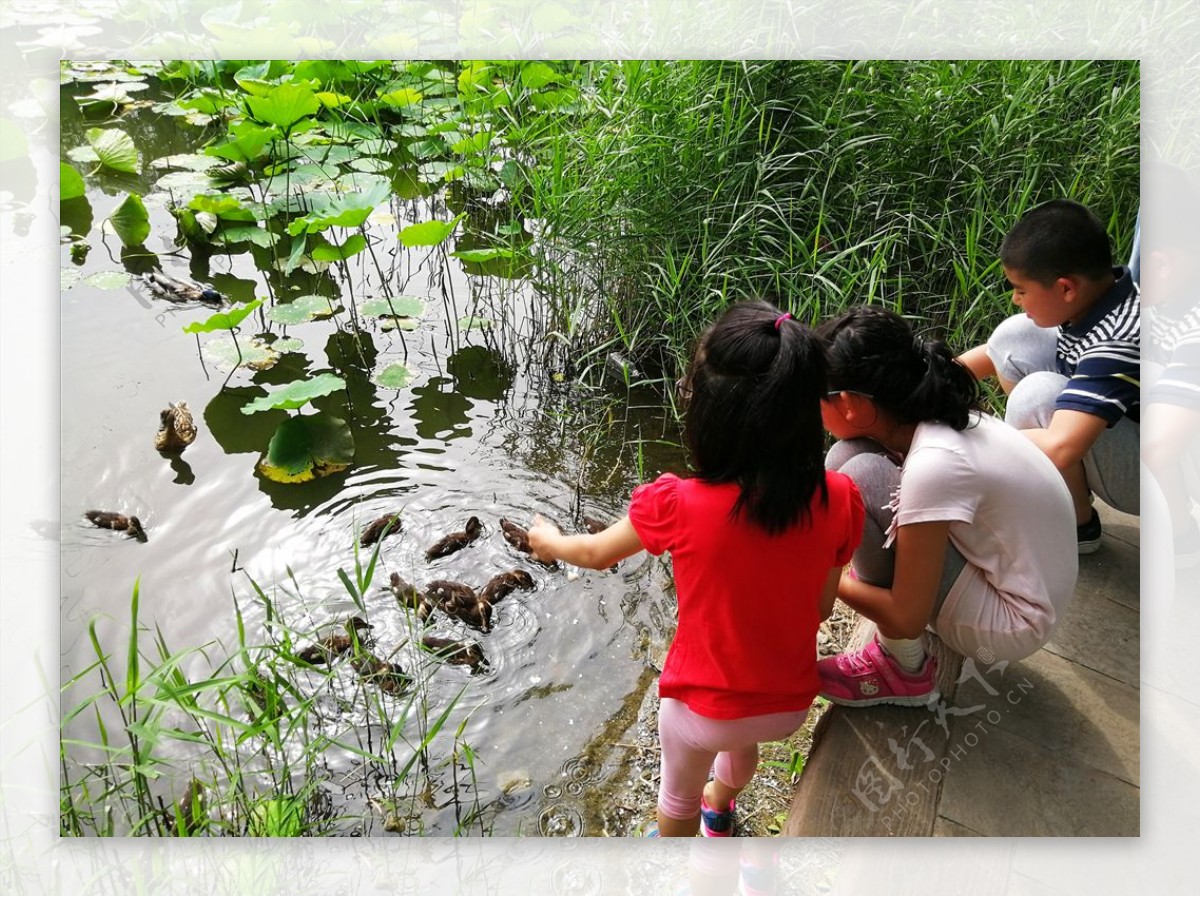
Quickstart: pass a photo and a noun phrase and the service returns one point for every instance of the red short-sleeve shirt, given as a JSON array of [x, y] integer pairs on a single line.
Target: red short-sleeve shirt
[[748, 602]]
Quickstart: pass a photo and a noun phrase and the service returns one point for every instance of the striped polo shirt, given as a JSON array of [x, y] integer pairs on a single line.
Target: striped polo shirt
[[1102, 355], [1175, 345]]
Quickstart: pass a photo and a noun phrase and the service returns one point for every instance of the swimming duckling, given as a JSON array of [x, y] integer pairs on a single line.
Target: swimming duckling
[[180, 291], [455, 541], [501, 584], [411, 597], [459, 600], [176, 429], [119, 522], [374, 531], [462, 653], [388, 676], [336, 644], [515, 536]]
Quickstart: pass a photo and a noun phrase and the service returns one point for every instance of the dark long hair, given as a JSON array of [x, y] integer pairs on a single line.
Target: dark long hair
[[873, 351], [754, 415]]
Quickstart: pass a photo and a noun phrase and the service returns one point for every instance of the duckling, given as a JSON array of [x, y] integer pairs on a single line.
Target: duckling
[[501, 584], [462, 653], [459, 600], [455, 541], [411, 597], [119, 522], [176, 429], [515, 536], [336, 644], [374, 531], [180, 291], [390, 678]]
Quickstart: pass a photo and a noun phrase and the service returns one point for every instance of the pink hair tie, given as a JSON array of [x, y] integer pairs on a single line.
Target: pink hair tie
[[786, 316]]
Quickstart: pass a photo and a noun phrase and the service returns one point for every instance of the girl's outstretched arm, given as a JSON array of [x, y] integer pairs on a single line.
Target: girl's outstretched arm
[[597, 551]]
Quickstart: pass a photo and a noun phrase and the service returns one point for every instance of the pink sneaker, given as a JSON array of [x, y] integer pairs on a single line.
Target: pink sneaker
[[870, 676]]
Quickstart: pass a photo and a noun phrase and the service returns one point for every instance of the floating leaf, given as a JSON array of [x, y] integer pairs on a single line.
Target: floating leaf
[[348, 210], [131, 221], [243, 233], [108, 280], [388, 323], [307, 447], [405, 96], [223, 320], [226, 353], [394, 376], [330, 252], [68, 277], [397, 306], [297, 394], [114, 149], [246, 143], [288, 344], [284, 105], [474, 144], [70, 182], [374, 166], [473, 323], [429, 233], [185, 161], [82, 154], [301, 309], [483, 255], [434, 172], [224, 206]]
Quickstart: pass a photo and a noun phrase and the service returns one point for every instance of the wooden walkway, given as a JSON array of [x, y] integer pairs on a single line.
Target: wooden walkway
[[1046, 746]]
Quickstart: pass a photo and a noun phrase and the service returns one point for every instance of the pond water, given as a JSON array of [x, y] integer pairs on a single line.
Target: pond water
[[485, 427]]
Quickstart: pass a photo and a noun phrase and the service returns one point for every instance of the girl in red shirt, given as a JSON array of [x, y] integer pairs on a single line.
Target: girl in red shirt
[[758, 534]]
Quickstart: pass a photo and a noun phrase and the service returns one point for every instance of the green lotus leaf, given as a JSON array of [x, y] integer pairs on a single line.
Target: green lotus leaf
[[224, 206], [255, 353], [108, 280], [483, 255], [244, 233], [82, 154], [297, 394], [398, 306], [348, 210], [387, 324], [436, 172], [114, 149], [394, 376], [183, 183], [186, 161], [301, 309], [131, 221], [474, 144], [405, 96], [330, 252], [246, 142], [473, 323], [284, 105], [536, 75], [206, 100], [287, 344], [371, 165], [429, 233], [70, 182], [307, 447], [223, 320]]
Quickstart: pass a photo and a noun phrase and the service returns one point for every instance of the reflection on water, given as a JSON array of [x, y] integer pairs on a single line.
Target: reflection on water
[[483, 429]]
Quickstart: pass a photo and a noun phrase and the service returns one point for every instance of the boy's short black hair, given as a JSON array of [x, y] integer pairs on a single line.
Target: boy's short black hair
[[1058, 239]]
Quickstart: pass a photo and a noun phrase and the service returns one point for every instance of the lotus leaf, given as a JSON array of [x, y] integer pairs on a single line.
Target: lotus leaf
[[284, 105], [301, 309], [429, 233], [473, 323], [224, 206], [223, 320], [405, 96], [483, 255], [476, 143], [186, 161], [388, 323], [349, 210], [68, 277], [394, 376], [374, 166], [114, 149], [226, 354], [433, 172], [131, 221], [304, 448], [330, 252], [246, 143], [398, 306], [82, 154], [251, 233], [287, 344], [297, 394], [70, 182], [108, 280]]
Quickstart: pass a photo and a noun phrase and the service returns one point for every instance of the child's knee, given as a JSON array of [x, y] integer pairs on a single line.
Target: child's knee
[[1018, 348], [1031, 403]]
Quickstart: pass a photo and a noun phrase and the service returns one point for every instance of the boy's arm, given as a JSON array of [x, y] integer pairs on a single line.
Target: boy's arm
[[978, 363], [1069, 436]]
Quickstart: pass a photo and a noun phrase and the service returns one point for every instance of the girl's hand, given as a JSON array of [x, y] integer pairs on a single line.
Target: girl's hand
[[542, 536]]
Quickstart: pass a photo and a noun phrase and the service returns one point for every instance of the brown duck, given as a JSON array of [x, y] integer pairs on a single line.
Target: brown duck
[[176, 430], [516, 536], [459, 600], [462, 653], [118, 522], [390, 678], [336, 644], [501, 584], [455, 541], [411, 597], [374, 530]]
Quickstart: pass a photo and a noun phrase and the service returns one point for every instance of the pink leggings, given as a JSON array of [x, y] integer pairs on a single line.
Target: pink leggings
[[690, 742]]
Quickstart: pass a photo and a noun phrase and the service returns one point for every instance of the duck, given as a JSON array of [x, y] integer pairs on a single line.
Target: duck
[[411, 597], [461, 653], [374, 530], [181, 291], [459, 600], [501, 584], [119, 522], [455, 541], [516, 536], [390, 678], [336, 644], [176, 430]]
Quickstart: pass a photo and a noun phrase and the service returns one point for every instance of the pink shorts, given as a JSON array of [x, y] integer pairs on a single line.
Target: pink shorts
[[691, 743]]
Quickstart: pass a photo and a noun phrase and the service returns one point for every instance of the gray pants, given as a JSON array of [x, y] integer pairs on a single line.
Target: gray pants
[[877, 477], [1024, 353]]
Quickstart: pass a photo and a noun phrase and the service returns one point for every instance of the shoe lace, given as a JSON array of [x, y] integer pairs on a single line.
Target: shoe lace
[[858, 662]]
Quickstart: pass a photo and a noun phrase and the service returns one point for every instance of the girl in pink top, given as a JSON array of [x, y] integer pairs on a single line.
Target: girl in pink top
[[758, 534]]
